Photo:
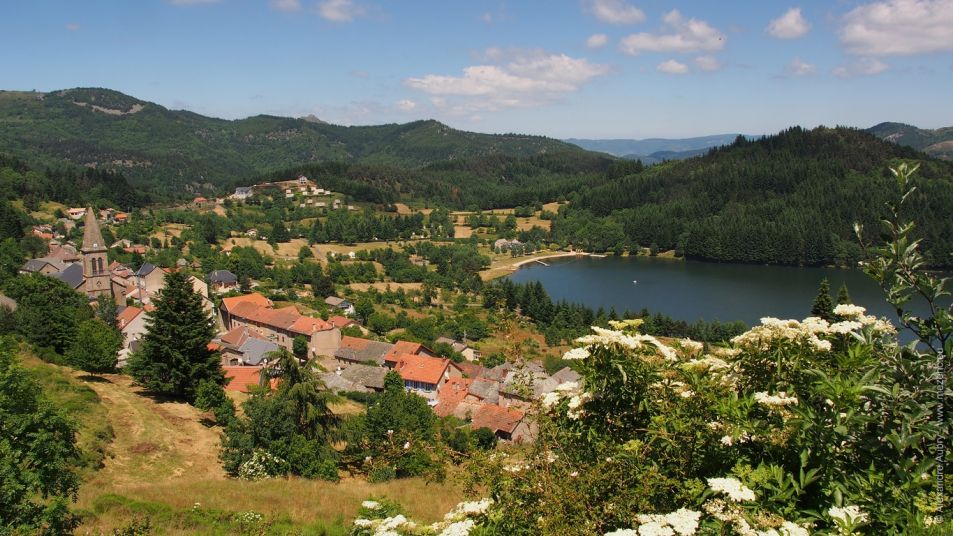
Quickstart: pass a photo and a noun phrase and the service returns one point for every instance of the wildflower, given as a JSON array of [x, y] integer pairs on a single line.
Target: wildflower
[[622, 532], [371, 505], [390, 433], [775, 401], [469, 509], [792, 529], [460, 528], [576, 353], [567, 386], [363, 523], [848, 514], [574, 474], [727, 440], [845, 327], [406, 445], [391, 523], [848, 310], [653, 528], [735, 490], [551, 399]]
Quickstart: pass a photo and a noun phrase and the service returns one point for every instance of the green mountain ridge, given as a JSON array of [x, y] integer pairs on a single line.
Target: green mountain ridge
[[935, 142], [174, 151]]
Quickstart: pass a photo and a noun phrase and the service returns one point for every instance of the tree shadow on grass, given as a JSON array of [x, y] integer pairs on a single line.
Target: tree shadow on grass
[[92, 378]]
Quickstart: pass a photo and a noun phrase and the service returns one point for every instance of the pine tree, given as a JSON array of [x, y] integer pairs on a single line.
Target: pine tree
[[843, 296], [823, 306], [175, 358]]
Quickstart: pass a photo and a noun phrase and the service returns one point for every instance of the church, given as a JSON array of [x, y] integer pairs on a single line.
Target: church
[[97, 281]]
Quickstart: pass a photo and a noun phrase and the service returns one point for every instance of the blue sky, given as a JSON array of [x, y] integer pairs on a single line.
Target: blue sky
[[589, 68]]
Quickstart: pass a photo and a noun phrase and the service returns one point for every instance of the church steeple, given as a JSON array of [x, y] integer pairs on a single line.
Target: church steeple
[[92, 236]]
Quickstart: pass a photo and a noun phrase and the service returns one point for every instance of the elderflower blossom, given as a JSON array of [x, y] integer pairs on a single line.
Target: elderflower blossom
[[622, 325], [392, 523], [708, 362], [849, 514], [468, 508], [567, 387], [849, 310], [655, 529], [622, 532], [574, 406], [550, 399], [459, 528], [691, 346], [363, 523], [733, 488], [721, 351], [576, 354], [775, 401], [371, 505], [683, 522], [792, 529], [772, 329]]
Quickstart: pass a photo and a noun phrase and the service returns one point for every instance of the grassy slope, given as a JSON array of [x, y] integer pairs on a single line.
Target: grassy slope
[[162, 460]]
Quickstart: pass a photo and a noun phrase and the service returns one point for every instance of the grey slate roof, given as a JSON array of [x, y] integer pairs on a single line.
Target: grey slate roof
[[35, 265], [566, 374], [489, 391], [72, 275], [146, 269], [222, 276], [373, 351], [334, 382], [367, 376], [254, 350]]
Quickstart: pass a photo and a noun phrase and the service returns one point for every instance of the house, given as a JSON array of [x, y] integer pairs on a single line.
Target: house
[[506, 423], [64, 252], [462, 348], [241, 347], [340, 304], [150, 278], [251, 233], [76, 213], [222, 280], [404, 348], [199, 201], [43, 265], [243, 379], [425, 374], [353, 350], [302, 180], [502, 245], [120, 217], [342, 322], [280, 326], [131, 322], [243, 192], [141, 249], [73, 276]]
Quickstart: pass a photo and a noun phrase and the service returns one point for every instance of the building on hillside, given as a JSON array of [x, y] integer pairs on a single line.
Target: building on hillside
[[342, 322], [469, 353], [506, 423], [222, 281], [503, 245], [243, 192], [341, 305], [76, 213], [43, 265], [91, 276], [425, 375], [244, 379], [405, 348], [132, 324], [359, 378], [280, 326], [241, 347], [353, 350]]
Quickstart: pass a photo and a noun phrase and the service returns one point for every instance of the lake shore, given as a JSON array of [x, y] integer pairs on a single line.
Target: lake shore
[[504, 267]]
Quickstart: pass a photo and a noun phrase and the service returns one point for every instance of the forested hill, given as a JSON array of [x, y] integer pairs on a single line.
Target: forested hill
[[936, 142], [70, 185], [790, 198], [166, 150]]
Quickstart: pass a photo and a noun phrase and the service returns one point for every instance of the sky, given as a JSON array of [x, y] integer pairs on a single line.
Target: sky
[[560, 68]]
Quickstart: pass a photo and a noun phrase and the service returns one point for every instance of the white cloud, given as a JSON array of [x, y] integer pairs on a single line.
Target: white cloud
[[672, 67], [707, 63], [798, 67], [527, 79], [861, 67], [791, 25], [340, 10], [72, 26], [286, 5], [898, 27], [616, 12], [406, 105], [690, 35], [597, 40], [488, 17]]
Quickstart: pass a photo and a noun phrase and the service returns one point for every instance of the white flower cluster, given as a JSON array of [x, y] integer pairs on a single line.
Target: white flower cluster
[[371, 505], [568, 390], [690, 346], [733, 488], [849, 310], [576, 354], [850, 515], [468, 509], [683, 522], [607, 337], [772, 330], [736, 516], [777, 401], [262, 464], [623, 532], [459, 520], [856, 314]]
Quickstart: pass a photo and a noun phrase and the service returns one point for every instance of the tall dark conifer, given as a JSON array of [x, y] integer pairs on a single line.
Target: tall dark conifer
[[843, 296], [823, 306], [175, 358]]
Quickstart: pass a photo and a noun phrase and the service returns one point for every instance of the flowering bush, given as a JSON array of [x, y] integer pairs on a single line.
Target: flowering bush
[[384, 518]]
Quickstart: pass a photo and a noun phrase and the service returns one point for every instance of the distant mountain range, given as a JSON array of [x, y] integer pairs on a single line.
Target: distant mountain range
[[937, 143], [166, 150], [654, 150]]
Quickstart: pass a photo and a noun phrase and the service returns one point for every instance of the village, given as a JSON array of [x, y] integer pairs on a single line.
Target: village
[[251, 327]]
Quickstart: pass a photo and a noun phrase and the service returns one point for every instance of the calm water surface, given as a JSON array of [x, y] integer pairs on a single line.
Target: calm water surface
[[691, 290]]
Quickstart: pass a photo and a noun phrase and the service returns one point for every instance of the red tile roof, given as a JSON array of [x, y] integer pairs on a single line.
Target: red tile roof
[[341, 321], [307, 325], [451, 393], [127, 315], [353, 343], [423, 369], [402, 348], [496, 418], [240, 378], [213, 347], [255, 298], [235, 337]]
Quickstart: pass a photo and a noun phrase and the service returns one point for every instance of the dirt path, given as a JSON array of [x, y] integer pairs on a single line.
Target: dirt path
[[155, 441]]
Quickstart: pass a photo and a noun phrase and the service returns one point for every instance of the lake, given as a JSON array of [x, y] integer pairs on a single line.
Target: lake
[[692, 290]]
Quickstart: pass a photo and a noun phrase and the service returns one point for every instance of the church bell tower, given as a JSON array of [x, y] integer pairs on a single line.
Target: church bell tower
[[95, 265]]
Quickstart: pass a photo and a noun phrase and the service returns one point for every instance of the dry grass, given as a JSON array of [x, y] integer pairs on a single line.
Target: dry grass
[[169, 230], [382, 286], [462, 231], [403, 209]]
